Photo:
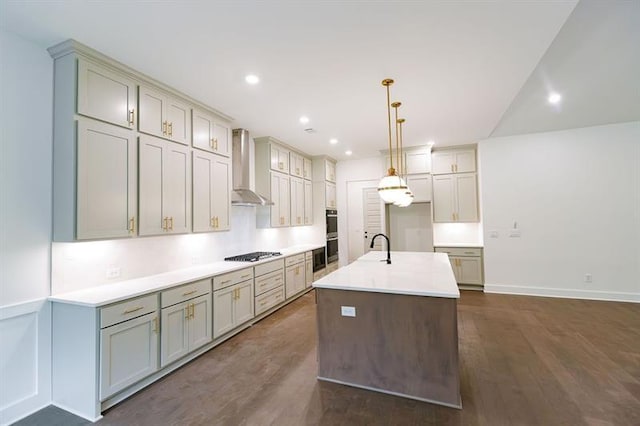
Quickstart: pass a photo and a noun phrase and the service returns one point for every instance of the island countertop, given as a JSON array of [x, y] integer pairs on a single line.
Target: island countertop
[[410, 273]]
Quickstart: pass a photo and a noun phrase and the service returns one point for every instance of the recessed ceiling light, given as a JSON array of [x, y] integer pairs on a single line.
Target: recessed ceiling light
[[333, 141], [304, 119], [252, 79], [554, 98], [348, 152]]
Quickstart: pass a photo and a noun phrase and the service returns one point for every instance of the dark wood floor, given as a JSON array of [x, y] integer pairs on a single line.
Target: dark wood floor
[[523, 361]]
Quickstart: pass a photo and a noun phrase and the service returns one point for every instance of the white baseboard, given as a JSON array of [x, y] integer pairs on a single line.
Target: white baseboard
[[567, 293], [25, 338]]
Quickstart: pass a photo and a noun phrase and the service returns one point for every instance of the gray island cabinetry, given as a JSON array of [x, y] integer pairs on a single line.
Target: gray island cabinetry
[[391, 328]]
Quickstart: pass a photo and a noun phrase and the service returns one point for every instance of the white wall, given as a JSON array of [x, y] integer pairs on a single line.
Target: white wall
[[575, 197], [84, 264], [26, 96]]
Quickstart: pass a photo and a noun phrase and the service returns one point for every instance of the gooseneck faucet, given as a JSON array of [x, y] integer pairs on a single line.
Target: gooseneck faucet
[[388, 246]]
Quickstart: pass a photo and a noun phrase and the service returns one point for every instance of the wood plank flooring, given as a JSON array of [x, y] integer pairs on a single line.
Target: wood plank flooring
[[523, 361]]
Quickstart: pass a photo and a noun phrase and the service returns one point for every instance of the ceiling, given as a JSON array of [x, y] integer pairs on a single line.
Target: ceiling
[[458, 66]]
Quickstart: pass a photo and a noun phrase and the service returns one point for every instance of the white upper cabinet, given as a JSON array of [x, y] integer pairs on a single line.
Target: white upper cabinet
[[330, 195], [417, 162], [106, 95], [106, 181], [165, 187], [163, 115], [281, 197], [420, 185], [296, 164], [297, 201], [210, 133], [211, 192], [308, 202], [279, 158], [330, 171], [453, 161], [455, 198], [307, 168]]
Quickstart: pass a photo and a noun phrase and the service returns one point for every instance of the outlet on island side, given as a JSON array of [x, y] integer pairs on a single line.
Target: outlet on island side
[[348, 311], [588, 278]]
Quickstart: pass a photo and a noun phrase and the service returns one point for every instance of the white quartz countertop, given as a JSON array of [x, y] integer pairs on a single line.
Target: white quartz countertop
[[114, 292], [411, 273]]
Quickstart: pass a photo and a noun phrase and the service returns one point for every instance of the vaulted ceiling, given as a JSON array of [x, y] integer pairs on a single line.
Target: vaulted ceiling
[[463, 70]]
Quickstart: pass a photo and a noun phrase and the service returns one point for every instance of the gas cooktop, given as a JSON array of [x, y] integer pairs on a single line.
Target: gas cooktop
[[254, 256]]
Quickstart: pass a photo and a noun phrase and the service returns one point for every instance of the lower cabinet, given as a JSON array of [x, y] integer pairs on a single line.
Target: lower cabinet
[[294, 280], [332, 267], [308, 273], [129, 343], [232, 306], [269, 285], [466, 263], [186, 326]]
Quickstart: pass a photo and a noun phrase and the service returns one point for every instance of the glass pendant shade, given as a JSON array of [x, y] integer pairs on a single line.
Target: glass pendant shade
[[391, 188], [405, 199]]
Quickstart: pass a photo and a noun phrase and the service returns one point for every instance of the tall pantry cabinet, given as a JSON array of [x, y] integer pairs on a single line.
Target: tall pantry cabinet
[[123, 152]]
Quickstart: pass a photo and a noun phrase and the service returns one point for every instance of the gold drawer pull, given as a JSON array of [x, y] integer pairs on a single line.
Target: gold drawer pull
[[131, 117], [132, 310], [171, 129], [225, 282], [132, 225], [155, 325], [189, 292], [245, 276], [164, 128]]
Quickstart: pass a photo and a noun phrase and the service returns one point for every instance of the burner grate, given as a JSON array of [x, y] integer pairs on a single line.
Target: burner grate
[[253, 256]]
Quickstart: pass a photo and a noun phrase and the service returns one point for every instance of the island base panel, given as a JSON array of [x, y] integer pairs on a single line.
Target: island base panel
[[399, 344]]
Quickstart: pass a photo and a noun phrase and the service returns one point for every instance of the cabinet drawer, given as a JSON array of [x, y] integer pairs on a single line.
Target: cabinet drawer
[[185, 292], [269, 300], [460, 251], [222, 281], [292, 260], [269, 282], [129, 309], [265, 268]]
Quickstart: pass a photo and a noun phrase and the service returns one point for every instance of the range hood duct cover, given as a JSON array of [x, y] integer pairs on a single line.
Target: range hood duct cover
[[242, 194]]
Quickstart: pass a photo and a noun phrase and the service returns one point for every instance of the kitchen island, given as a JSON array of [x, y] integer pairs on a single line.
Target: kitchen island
[[391, 328]]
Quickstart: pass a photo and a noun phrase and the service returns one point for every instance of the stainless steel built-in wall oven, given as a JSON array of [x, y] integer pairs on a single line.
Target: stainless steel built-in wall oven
[[332, 224], [332, 250]]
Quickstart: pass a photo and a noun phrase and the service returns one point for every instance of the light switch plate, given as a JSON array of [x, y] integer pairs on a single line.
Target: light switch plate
[[348, 311], [514, 233]]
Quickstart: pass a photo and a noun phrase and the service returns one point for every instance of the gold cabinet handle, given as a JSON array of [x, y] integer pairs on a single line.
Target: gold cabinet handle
[[171, 129], [164, 224], [297, 171], [215, 143], [225, 282], [245, 276], [280, 165], [132, 310], [193, 310], [131, 117], [155, 325], [211, 223], [189, 292], [132, 225], [171, 222], [164, 128], [188, 312], [456, 167]]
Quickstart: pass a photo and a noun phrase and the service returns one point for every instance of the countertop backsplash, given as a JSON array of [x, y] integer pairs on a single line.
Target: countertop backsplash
[[81, 264]]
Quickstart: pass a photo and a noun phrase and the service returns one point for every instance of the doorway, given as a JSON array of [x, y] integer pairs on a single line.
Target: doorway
[[364, 217]]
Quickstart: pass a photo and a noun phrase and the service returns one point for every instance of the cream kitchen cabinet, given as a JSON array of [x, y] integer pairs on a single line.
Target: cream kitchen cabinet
[[308, 203], [211, 192], [297, 201], [185, 320], [420, 185], [307, 168], [453, 161], [106, 182], [466, 263], [128, 343], [296, 164], [279, 158], [455, 198], [269, 285], [308, 269], [330, 198], [105, 94], [162, 115], [330, 171], [294, 279], [211, 133], [281, 196], [164, 171], [418, 161], [233, 301]]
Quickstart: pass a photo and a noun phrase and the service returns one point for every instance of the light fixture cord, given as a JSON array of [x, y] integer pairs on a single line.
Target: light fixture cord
[[398, 143], [389, 116], [400, 159]]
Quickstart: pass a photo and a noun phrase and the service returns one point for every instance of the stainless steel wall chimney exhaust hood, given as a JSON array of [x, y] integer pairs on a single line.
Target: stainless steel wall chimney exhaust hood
[[242, 150]]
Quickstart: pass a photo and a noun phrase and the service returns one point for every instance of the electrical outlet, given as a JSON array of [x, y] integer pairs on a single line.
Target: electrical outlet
[[348, 311], [588, 278], [493, 234], [113, 272], [514, 233]]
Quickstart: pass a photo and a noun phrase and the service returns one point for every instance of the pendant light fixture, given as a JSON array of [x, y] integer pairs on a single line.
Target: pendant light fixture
[[405, 199], [391, 186]]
